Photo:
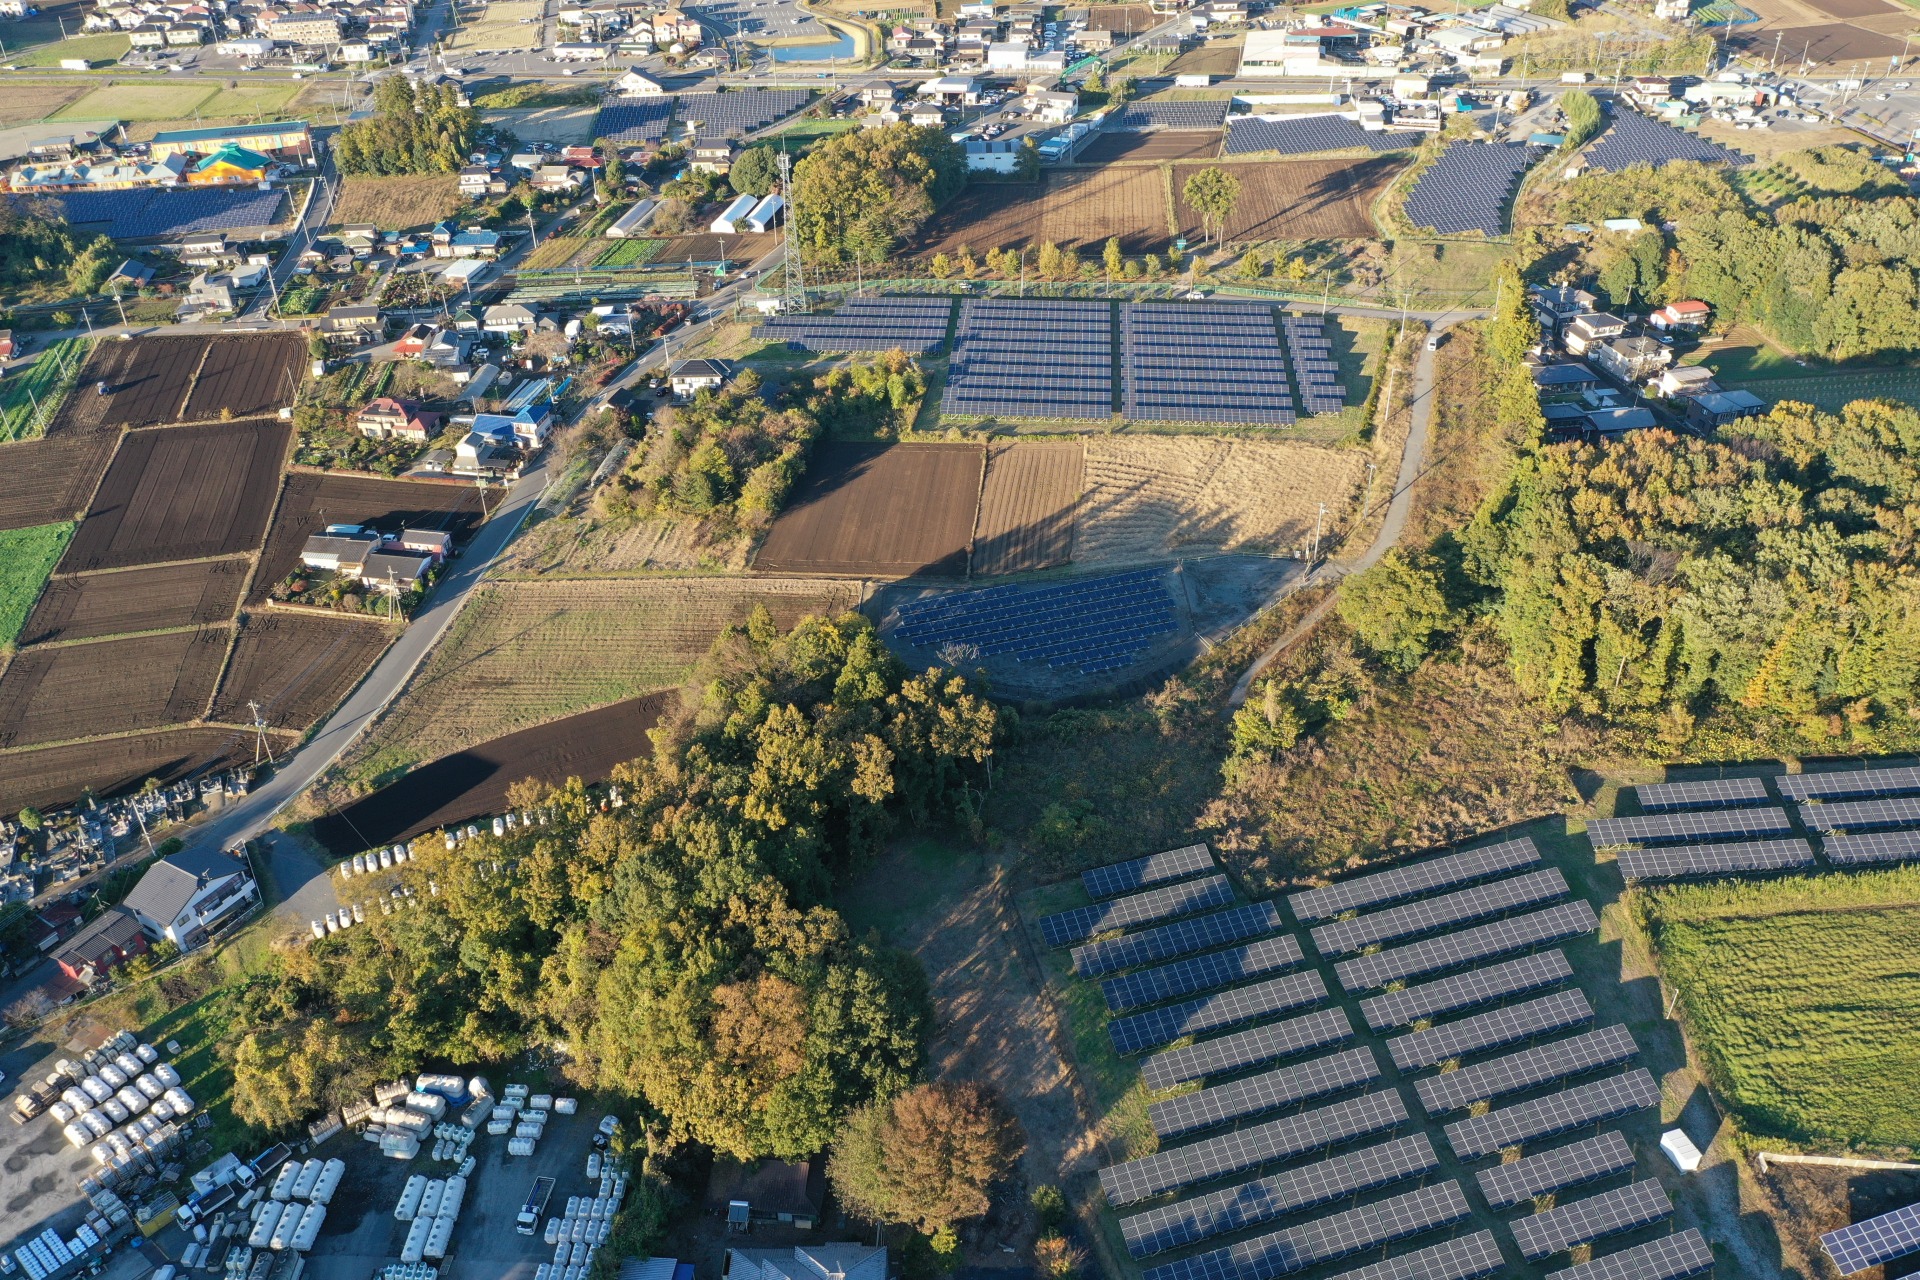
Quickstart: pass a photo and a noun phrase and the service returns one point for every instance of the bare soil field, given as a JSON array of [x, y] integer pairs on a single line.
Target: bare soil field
[[1148, 497], [561, 126], [90, 605], [884, 510], [246, 376], [472, 784], [707, 247], [1164, 144], [56, 775], [397, 203], [42, 481], [26, 103], [109, 686], [182, 494], [1215, 58], [1122, 18], [296, 666], [1026, 507], [147, 381], [1811, 1200], [1826, 43], [1296, 199], [311, 501], [1081, 209], [1846, 9]]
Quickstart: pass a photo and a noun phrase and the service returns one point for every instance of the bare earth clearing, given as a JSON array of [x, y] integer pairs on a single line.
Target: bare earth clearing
[[1026, 507], [1070, 209], [397, 203]]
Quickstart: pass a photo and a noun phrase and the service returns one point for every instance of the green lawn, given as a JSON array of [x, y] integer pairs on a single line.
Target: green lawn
[[158, 100], [1832, 391], [27, 556], [1802, 996], [108, 46], [251, 100]]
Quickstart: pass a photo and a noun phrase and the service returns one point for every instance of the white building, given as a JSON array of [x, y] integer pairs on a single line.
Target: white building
[[1000, 155], [732, 219], [185, 896]]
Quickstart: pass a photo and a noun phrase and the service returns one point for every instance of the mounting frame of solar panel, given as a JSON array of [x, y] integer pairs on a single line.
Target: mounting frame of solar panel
[[1604, 1155], [1706, 824], [1448, 911], [1139, 1032], [1527, 1069], [1675, 1257], [1707, 793], [1667, 862], [1191, 1113], [1394, 884], [1183, 937], [1877, 1240], [1467, 990], [1849, 783], [1628, 1208], [1150, 906], [1250, 1048], [1495, 1029], [1324, 1240], [1469, 946], [1563, 1112], [1857, 815]]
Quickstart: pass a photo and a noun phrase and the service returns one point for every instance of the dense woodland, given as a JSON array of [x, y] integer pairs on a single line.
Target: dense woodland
[[415, 128], [38, 247], [863, 192]]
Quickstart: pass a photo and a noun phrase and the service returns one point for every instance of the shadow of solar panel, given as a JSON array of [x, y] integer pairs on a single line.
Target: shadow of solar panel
[[1848, 784], [1182, 938], [1710, 793], [1673, 862], [1675, 1257], [1143, 873], [142, 214], [1382, 887], [1329, 1239], [1876, 846], [1563, 1112], [1136, 117], [633, 119], [1858, 815], [1604, 1156], [1467, 1258], [1143, 1031], [1466, 990], [1672, 828], [1878, 1240], [1081, 923], [1628, 1208], [1444, 912], [1202, 973], [1528, 1069], [1632, 138], [1235, 1152], [1269, 1091], [1469, 946], [1302, 135], [1495, 1029], [1252, 1203], [1468, 187], [1243, 1049]]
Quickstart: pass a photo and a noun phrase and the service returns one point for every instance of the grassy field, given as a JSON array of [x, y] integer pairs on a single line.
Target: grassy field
[[266, 100], [27, 556], [150, 101], [397, 204], [1834, 390], [108, 46], [629, 253], [1801, 995]]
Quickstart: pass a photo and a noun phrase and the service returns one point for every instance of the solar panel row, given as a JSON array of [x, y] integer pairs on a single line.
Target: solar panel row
[[1670, 828], [1469, 946], [1673, 862], [1710, 793], [1849, 784], [1304, 135], [1492, 1030], [1269, 1091], [1876, 846], [1327, 1239], [1444, 912], [1466, 990], [1861, 815], [1382, 887], [1589, 1160], [738, 111], [1144, 873], [1249, 1048], [1632, 138], [1467, 1258], [1628, 1208], [1548, 1117], [1156, 1027], [1137, 117], [1468, 187], [1877, 1240], [152, 212], [1178, 939], [1201, 973], [1098, 623], [1081, 923], [1673, 1257], [1528, 1069]]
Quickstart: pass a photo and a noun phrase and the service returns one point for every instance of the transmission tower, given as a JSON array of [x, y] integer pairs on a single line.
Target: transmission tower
[[793, 294]]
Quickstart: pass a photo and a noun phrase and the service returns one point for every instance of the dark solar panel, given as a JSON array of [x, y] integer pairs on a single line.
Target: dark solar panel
[[1548, 1117], [1466, 990], [1382, 887], [1202, 973], [1008, 354], [1445, 912], [1304, 135], [157, 212], [914, 324], [633, 119], [1144, 873], [1081, 923], [1859, 815], [1467, 1258], [1468, 187], [1528, 1069], [1673, 828], [1469, 946], [1877, 1240], [1269, 1091], [1137, 117], [1249, 1048], [1875, 846], [1097, 623], [1492, 1030], [1203, 362], [1589, 1160], [1673, 862], [738, 111], [1632, 138], [1711, 793], [1628, 1208], [1149, 1030], [1328, 1239], [1181, 938], [1673, 1257], [1848, 784]]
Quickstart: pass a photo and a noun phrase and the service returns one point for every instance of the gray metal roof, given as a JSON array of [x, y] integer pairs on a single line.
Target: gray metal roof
[[171, 882]]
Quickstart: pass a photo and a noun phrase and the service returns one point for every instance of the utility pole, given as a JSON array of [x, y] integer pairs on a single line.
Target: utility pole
[[260, 742], [1372, 471]]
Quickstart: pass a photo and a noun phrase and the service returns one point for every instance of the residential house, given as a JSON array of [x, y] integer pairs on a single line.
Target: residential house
[[185, 896], [808, 1262], [927, 115], [879, 95], [289, 140], [671, 27], [1718, 408], [395, 572], [526, 427], [635, 83], [1685, 380], [1587, 331], [1052, 107], [107, 943], [1564, 418], [131, 275], [1558, 305], [711, 155], [432, 543], [414, 341], [338, 548], [474, 242], [1689, 313], [510, 317], [1631, 359], [353, 320], [1612, 421], [558, 177], [468, 273], [475, 181], [209, 292], [999, 155], [690, 377], [952, 91], [1564, 379], [390, 419], [304, 30]]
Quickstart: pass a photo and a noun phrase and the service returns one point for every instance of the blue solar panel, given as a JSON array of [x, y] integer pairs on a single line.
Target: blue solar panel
[[1136, 117], [1304, 135], [1467, 188], [153, 212], [634, 119], [1877, 1240], [1095, 624], [1632, 138]]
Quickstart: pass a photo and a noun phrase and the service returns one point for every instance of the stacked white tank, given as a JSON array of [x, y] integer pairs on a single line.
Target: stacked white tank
[[305, 1180], [416, 1243], [267, 1216], [329, 1181], [282, 1188], [408, 1207]]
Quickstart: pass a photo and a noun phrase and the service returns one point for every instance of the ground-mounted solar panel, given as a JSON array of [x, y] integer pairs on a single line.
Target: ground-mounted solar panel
[[1227, 1054], [1468, 186], [1873, 846], [1528, 1069], [1145, 873], [1862, 815], [1563, 1112], [1849, 784], [1675, 828], [1632, 138], [1250, 1204], [1137, 117], [150, 213], [1466, 990], [1323, 1240], [1708, 793], [1269, 1091], [1081, 923], [1675, 862], [1495, 1029], [1382, 887], [738, 111], [1304, 135], [1183, 937], [1201, 973], [1444, 912], [628, 120], [1674, 1257], [1628, 1208], [1243, 1149], [1469, 946], [1877, 1240], [1142, 1031], [1606, 1155], [1467, 1258]]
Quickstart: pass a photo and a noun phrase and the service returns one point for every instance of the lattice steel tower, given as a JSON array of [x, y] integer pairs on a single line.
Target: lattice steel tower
[[793, 290]]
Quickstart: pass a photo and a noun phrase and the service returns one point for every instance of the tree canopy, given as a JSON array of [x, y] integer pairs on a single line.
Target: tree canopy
[[754, 172], [415, 128], [39, 247], [865, 191], [927, 1158]]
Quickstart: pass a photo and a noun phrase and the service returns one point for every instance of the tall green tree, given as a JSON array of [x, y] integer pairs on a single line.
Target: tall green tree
[[755, 172], [866, 191], [1398, 608], [1213, 193]]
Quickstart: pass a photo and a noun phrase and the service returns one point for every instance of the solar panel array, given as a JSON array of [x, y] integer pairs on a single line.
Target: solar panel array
[[1674, 1257], [1632, 138], [1081, 923], [1314, 369], [913, 324], [1095, 624], [1877, 846], [1137, 117], [1493, 1030], [1548, 1117], [1588, 1160], [1032, 359], [1708, 824], [1466, 990], [1143, 873], [1253, 1203], [1528, 1069], [153, 212], [1181, 938], [1269, 1091], [1383, 887], [1201, 973], [1281, 1139], [1149, 1030], [1848, 784], [1303, 135], [1444, 912], [1327, 1239], [1852, 815], [1877, 1240], [1203, 362], [1628, 1208], [1674, 861], [740, 110], [1467, 1258], [1248, 1048], [627, 120], [1469, 946], [1656, 797], [1468, 187]]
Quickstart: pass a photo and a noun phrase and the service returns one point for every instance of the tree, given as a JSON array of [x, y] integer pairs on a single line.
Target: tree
[[613, 169], [755, 171], [927, 1158], [1583, 116], [30, 818], [1113, 258], [864, 191], [1047, 263], [1212, 193], [1096, 81], [1253, 265], [941, 266], [1398, 607], [1512, 329], [415, 128]]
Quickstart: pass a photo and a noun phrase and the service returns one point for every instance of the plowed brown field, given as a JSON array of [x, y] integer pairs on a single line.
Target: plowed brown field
[[1161, 144], [109, 686], [884, 510], [1296, 199], [147, 381], [242, 377], [1080, 209], [123, 601], [42, 481], [1026, 507], [296, 666], [311, 502], [56, 775]]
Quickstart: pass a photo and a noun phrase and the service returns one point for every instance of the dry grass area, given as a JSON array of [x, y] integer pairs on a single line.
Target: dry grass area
[[1766, 145], [589, 545], [504, 24], [562, 126], [24, 103], [1146, 497], [524, 653], [1295, 199], [397, 204]]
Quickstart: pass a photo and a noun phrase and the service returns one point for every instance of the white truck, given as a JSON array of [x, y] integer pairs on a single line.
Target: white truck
[[529, 1220]]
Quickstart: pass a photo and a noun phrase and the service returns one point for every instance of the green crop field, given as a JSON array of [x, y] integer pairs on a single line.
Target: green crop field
[[27, 556], [1802, 995], [631, 253], [158, 101], [40, 388]]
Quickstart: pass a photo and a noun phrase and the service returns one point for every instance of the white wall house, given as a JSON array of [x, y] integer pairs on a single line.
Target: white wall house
[[185, 896]]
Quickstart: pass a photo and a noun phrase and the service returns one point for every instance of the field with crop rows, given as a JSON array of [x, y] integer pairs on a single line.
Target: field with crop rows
[[27, 556], [631, 253], [39, 388], [512, 25], [55, 775], [87, 606], [562, 251], [1080, 209], [172, 100], [397, 203], [296, 666], [109, 686], [1801, 995], [1027, 507]]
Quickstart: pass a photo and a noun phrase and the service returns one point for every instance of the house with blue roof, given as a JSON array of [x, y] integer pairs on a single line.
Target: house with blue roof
[[527, 427], [476, 242]]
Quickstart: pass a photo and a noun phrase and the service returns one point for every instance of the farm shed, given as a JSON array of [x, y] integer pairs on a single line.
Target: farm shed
[[630, 222], [732, 219]]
